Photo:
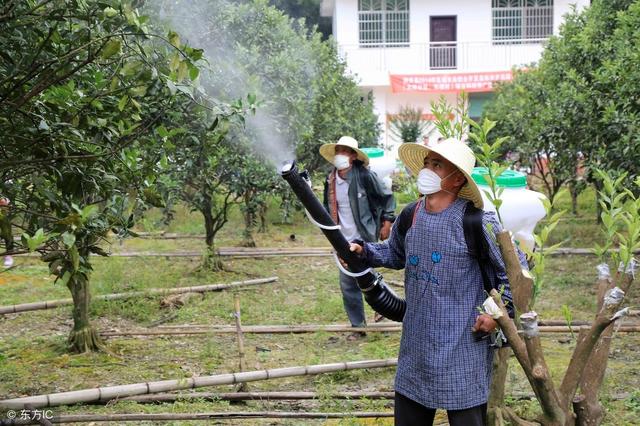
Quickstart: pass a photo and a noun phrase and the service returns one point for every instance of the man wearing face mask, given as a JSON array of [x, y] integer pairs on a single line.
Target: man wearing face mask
[[363, 207], [441, 363]]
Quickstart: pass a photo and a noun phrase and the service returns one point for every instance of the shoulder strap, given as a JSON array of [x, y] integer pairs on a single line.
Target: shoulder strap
[[406, 218], [476, 242]]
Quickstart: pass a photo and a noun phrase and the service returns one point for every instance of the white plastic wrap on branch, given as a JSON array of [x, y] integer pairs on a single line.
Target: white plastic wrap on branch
[[631, 268], [613, 296], [491, 308], [529, 322], [621, 313], [603, 271]]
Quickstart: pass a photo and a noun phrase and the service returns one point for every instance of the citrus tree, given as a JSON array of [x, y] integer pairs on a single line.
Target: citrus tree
[[85, 85]]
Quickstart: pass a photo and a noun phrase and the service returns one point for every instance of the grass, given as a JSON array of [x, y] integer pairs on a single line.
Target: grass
[[33, 358]]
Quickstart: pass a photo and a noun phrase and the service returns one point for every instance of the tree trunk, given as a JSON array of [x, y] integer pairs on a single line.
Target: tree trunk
[[83, 337], [248, 240], [212, 260], [598, 188], [573, 189], [262, 212], [587, 407], [495, 405]]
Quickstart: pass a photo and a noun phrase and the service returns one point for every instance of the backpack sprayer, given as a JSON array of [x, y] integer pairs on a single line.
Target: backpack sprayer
[[376, 292]]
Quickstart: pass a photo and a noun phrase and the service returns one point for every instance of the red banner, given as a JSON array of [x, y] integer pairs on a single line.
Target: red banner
[[438, 83]]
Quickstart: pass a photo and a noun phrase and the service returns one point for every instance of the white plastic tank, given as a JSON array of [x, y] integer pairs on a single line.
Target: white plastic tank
[[521, 208], [382, 163]]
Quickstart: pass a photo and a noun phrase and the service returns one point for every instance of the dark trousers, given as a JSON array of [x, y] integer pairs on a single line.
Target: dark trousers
[[409, 413]]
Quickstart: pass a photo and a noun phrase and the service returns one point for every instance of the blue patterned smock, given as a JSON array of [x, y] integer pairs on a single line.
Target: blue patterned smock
[[440, 364]]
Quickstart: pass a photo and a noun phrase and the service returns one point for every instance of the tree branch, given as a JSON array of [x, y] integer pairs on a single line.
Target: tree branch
[[585, 346]]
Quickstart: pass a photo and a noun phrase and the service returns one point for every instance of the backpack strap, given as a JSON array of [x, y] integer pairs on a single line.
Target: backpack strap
[[476, 242], [406, 218]]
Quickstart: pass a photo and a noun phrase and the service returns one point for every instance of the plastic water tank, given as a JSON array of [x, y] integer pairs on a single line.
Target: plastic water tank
[[381, 163], [521, 208]]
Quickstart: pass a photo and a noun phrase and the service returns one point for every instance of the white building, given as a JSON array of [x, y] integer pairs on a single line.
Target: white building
[[410, 52]]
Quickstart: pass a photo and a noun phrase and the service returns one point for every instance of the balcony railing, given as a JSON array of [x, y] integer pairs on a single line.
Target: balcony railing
[[473, 56]]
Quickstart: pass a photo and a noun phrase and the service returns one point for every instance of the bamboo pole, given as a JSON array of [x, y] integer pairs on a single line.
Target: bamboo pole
[[241, 363], [113, 392], [256, 329], [316, 252], [13, 309], [297, 395], [265, 329], [328, 327], [261, 396], [84, 418]]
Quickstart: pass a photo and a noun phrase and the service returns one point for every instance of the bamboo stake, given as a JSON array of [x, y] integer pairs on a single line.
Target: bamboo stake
[[261, 396], [84, 418], [243, 386], [12, 309], [112, 392]]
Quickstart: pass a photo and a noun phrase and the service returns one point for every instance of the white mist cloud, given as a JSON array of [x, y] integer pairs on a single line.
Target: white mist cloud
[[195, 21]]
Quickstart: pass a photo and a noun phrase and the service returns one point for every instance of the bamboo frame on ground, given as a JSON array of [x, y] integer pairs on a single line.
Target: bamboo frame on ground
[[50, 304], [259, 396], [114, 392], [293, 329], [84, 418], [295, 396], [240, 252]]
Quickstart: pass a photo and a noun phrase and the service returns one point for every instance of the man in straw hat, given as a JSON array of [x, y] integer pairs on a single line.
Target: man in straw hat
[[442, 363], [363, 207]]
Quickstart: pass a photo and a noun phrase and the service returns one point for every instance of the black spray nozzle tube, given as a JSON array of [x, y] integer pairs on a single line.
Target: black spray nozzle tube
[[376, 292]]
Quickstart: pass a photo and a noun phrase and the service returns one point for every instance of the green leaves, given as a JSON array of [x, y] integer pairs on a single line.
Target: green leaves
[[409, 125], [68, 239], [452, 121], [113, 47], [174, 39], [620, 217], [109, 12], [35, 241], [568, 317]]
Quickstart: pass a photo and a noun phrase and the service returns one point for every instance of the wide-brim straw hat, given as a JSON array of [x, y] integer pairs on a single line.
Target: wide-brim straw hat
[[454, 150], [328, 150]]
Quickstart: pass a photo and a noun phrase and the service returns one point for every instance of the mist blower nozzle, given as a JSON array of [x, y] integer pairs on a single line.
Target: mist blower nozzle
[[376, 292]]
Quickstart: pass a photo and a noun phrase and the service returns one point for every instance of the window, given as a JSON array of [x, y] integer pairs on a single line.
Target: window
[[383, 22], [522, 20]]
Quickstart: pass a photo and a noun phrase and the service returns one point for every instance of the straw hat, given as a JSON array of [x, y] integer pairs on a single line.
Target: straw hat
[[457, 152], [328, 150]]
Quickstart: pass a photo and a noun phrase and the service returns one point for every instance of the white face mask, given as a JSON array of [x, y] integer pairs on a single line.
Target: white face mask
[[429, 182], [341, 161]]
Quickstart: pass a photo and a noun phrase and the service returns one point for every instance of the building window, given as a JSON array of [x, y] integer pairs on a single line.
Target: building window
[[383, 23], [524, 21]]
